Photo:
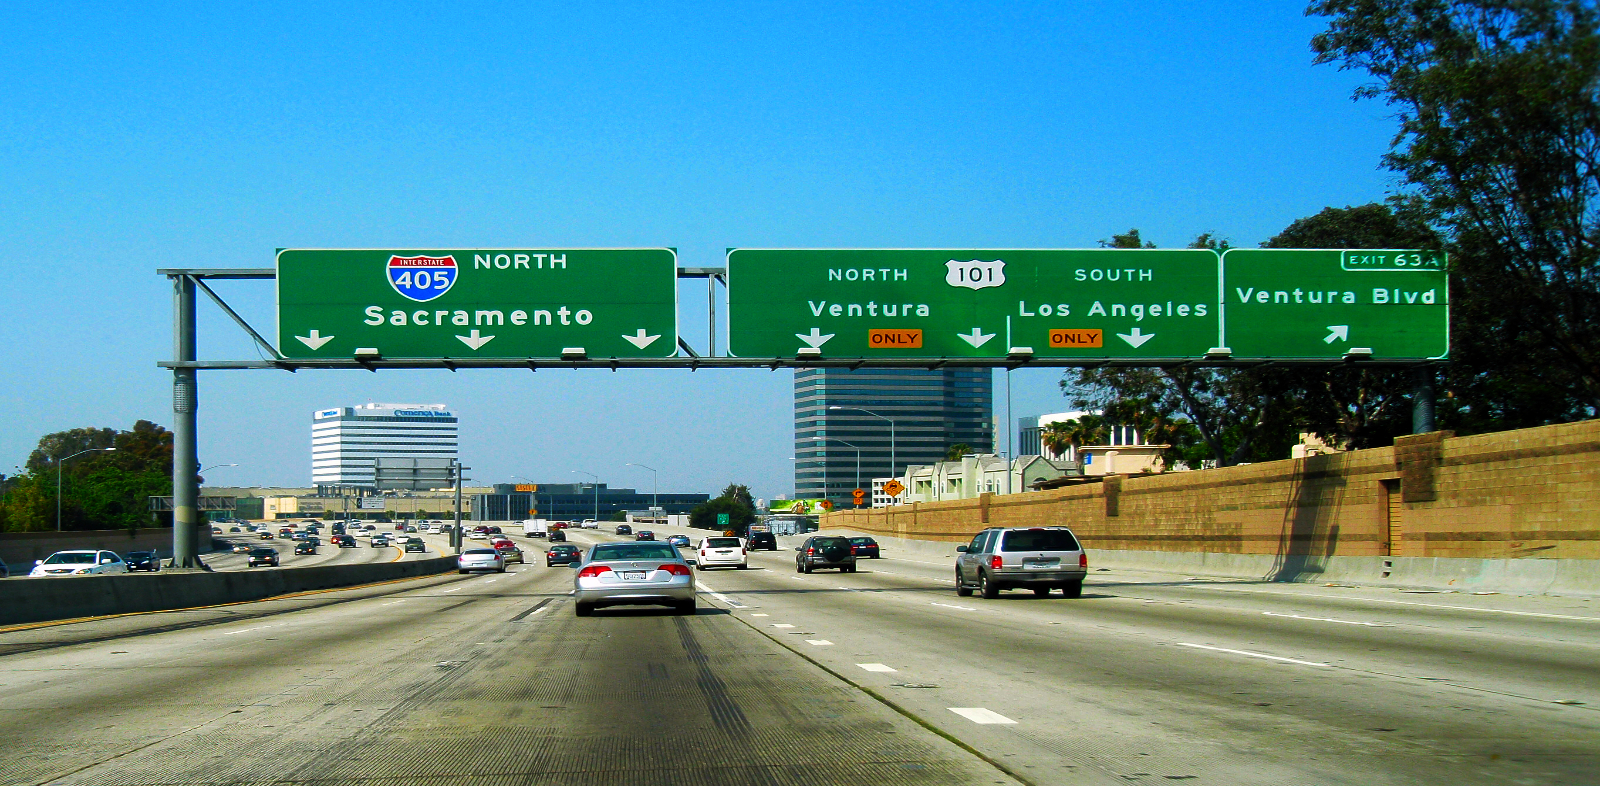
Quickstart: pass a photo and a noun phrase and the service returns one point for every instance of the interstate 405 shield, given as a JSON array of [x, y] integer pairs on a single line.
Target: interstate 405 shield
[[1072, 303], [477, 303]]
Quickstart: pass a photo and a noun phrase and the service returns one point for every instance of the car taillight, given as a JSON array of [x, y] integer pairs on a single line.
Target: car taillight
[[593, 570], [809, 552], [1083, 560], [995, 562], [675, 569]]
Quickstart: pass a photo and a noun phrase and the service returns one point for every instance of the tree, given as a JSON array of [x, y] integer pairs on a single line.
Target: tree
[[101, 490], [956, 451], [1129, 240], [1061, 435], [734, 501], [1499, 142]]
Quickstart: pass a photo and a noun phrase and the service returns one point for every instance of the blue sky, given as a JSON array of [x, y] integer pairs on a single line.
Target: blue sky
[[208, 135]]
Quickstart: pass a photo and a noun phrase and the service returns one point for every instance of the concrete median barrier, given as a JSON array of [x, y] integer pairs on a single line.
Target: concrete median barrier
[[27, 600]]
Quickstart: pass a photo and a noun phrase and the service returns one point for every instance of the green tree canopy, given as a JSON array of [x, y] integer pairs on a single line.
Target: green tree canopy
[[1499, 146], [100, 490], [735, 501]]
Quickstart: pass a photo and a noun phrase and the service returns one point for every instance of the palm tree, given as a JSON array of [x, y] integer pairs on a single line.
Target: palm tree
[[956, 451], [1064, 437]]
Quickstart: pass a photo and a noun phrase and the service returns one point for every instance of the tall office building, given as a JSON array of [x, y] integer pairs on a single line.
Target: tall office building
[[345, 441], [929, 410]]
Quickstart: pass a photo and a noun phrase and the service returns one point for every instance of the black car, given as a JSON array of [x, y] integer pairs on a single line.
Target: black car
[[645, 534], [864, 547], [761, 540], [143, 560], [624, 529], [495, 531], [337, 528], [344, 541], [562, 555], [416, 545], [823, 551], [305, 547], [5, 570], [558, 536], [262, 556]]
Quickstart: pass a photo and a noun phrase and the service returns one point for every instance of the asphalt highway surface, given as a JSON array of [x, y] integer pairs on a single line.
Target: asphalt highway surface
[[883, 676]]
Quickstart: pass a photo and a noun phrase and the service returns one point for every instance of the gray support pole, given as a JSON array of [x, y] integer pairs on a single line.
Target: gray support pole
[[1422, 400], [455, 537], [185, 443]]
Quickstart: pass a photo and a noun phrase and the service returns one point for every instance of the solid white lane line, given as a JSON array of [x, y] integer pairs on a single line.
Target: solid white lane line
[[1356, 599], [1250, 654], [819, 642], [876, 667], [1325, 619], [782, 625], [980, 715], [948, 606]]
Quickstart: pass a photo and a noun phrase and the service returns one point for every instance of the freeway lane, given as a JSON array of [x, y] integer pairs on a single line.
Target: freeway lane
[[460, 680], [1223, 683]]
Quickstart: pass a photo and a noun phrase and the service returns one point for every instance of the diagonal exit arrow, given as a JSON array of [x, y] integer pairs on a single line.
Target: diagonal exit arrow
[[315, 340], [976, 338], [640, 340], [475, 341], [1340, 333]]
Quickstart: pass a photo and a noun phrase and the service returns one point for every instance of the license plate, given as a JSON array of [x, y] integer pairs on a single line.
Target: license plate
[[1042, 563], [633, 575]]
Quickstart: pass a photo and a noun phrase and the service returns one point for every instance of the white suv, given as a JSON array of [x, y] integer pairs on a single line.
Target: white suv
[[722, 552], [82, 562]]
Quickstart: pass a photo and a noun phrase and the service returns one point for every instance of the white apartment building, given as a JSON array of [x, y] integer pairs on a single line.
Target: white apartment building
[[345, 441]]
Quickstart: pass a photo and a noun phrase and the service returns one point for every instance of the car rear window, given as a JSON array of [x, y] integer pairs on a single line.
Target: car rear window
[[1039, 540], [863, 541], [722, 543], [486, 552], [627, 551], [825, 542]]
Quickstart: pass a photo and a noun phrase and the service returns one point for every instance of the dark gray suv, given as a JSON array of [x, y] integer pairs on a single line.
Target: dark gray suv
[[1038, 558], [822, 551]]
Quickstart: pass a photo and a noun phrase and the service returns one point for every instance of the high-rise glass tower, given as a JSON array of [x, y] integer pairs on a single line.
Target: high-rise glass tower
[[930, 410], [345, 441]]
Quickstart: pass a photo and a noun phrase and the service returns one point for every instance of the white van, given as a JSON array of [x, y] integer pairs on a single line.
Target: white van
[[535, 528]]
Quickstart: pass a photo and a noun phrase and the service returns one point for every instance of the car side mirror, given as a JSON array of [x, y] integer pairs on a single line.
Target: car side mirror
[[797, 548], [38, 562], [961, 548]]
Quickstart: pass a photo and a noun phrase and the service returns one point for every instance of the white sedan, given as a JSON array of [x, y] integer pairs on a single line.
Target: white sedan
[[82, 562]]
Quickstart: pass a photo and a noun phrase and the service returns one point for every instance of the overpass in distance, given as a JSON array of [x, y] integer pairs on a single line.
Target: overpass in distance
[[883, 676]]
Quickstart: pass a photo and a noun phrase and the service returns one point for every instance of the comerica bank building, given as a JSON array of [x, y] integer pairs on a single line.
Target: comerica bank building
[[346, 441]]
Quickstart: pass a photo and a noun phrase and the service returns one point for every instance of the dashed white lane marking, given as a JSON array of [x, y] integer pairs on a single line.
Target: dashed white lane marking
[[1350, 598], [876, 667], [1325, 619], [760, 615], [980, 715], [1250, 654], [819, 642], [391, 603], [948, 606], [247, 630], [490, 581], [457, 589], [782, 625], [719, 596]]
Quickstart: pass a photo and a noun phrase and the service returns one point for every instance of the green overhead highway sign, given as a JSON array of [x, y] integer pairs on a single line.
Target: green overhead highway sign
[[477, 303], [1320, 304], [973, 303]]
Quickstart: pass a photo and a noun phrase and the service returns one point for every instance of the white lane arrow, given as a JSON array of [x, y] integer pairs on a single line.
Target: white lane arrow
[[1340, 333], [475, 341], [1136, 338], [815, 340], [977, 338], [641, 340], [315, 340]]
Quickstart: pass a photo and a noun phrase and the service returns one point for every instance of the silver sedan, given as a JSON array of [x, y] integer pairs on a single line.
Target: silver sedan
[[480, 559], [642, 573]]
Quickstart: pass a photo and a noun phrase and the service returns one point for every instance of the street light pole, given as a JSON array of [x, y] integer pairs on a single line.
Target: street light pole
[[58, 479], [655, 486], [891, 435], [596, 492], [202, 473]]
